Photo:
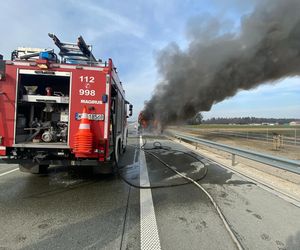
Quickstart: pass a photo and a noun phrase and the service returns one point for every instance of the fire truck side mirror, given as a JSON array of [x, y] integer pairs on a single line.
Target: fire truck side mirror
[[2, 68], [130, 109]]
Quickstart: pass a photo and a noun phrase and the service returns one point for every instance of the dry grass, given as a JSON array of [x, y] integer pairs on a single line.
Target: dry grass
[[287, 151]]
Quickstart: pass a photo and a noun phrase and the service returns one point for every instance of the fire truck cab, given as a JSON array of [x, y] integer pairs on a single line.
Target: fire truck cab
[[44, 100]]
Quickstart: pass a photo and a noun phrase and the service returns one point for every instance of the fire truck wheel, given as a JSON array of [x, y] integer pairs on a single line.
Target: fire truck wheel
[[43, 169], [33, 168], [124, 145], [117, 152], [124, 149]]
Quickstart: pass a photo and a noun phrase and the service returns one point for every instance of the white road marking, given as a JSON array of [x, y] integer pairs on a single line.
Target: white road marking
[[149, 232], [8, 172]]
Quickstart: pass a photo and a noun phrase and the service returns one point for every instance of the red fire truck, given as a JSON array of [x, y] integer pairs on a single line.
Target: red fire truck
[[69, 110]]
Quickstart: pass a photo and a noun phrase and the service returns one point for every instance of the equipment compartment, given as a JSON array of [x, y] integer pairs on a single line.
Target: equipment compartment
[[42, 112]]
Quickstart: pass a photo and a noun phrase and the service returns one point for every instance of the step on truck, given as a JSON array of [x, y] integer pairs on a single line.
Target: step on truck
[[61, 110]]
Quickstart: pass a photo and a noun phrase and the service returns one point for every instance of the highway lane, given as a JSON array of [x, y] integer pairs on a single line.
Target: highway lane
[[61, 211], [78, 210], [260, 219]]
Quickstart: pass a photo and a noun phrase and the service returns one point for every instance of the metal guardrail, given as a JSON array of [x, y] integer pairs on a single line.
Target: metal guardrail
[[278, 162]]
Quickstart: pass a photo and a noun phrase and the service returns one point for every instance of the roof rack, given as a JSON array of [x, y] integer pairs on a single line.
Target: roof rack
[[77, 53], [25, 53]]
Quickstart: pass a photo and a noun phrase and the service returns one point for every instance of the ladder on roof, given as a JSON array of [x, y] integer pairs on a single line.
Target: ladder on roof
[[78, 52]]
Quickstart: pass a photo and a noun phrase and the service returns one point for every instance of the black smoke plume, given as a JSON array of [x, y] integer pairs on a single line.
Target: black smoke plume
[[218, 63]]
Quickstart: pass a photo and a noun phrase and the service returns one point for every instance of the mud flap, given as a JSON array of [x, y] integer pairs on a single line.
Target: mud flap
[[33, 168], [103, 168]]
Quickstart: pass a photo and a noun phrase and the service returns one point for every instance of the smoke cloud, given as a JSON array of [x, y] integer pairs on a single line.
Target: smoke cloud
[[218, 62]]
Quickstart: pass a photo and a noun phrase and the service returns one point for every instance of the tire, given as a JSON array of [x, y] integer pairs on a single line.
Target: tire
[[43, 169], [117, 153], [124, 146]]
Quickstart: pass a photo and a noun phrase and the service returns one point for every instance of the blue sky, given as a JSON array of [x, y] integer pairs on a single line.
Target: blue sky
[[132, 33]]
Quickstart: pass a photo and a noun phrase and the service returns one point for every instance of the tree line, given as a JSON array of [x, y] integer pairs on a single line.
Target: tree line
[[198, 119]]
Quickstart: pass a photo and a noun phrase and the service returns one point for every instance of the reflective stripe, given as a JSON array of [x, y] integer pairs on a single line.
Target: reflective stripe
[[84, 126], [84, 116], [2, 148], [36, 72], [64, 66], [100, 67], [18, 63]]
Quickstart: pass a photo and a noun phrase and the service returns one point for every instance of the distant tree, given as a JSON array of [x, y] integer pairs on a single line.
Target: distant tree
[[246, 120], [197, 119]]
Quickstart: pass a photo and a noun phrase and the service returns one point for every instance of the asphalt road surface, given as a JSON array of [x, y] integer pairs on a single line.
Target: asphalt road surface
[[74, 209]]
